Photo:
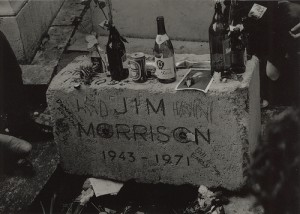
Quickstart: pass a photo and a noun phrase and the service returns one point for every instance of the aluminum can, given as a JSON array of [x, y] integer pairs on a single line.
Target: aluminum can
[[137, 67]]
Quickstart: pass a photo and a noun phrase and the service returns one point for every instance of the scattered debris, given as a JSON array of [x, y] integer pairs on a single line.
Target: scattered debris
[[91, 41], [82, 200], [87, 74], [190, 64], [207, 202], [85, 196], [104, 24], [104, 187], [44, 120]]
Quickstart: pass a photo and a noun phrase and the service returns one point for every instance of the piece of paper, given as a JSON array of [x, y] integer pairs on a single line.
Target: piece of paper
[[104, 187], [257, 11], [196, 79]]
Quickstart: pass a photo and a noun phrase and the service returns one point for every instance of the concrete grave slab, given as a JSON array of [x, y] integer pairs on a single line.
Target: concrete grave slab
[[153, 133]]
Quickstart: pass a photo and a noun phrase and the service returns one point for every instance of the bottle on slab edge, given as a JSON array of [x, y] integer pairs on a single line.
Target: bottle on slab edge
[[226, 42], [116, 55], [238, 47], [164, 54], [217, 31]]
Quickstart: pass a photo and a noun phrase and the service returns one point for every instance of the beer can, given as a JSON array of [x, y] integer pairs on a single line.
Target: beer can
[[137, 67]]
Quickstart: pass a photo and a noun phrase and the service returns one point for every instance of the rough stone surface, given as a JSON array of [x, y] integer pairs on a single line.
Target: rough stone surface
[[46, 59], [36, 74], [153, 133], [17, 192], [53, 48], [184, 19], [70, 10]]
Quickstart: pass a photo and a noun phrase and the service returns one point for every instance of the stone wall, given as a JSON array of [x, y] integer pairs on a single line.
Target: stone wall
[[24, 23], [184, 19]]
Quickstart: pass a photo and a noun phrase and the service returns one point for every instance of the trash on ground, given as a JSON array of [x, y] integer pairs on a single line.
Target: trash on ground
[[207, 202], [104, 187]]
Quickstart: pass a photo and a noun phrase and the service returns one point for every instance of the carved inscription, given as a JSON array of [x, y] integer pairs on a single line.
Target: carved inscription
[[127, 132], [109, 117], [202, 157], [159, 159], [196, 109]]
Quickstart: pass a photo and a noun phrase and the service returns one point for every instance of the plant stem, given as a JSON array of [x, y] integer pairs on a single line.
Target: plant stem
[[103, 13]]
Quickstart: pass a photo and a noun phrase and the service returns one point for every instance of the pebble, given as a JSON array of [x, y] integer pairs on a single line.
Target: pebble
[[36, 113]]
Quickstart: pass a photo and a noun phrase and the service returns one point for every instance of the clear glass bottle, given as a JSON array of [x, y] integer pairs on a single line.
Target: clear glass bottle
[[164, 54]]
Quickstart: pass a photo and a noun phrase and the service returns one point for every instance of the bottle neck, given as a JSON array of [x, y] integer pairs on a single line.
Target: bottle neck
[[161, 30], [218, 8], [231, 12], [114, 34], [218, 12], [234, 18]]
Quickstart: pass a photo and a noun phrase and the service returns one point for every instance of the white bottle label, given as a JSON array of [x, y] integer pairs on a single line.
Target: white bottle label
[[161, 39], [165, 68]]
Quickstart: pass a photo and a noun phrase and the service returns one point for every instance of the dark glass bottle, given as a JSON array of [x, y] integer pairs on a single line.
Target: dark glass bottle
[[238, 47], [164, 54], [116, 55], [217, 31], [226, 41]]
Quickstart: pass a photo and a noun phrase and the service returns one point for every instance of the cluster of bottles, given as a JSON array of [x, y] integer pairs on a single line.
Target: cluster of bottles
[[227, 40], [163, 52]]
